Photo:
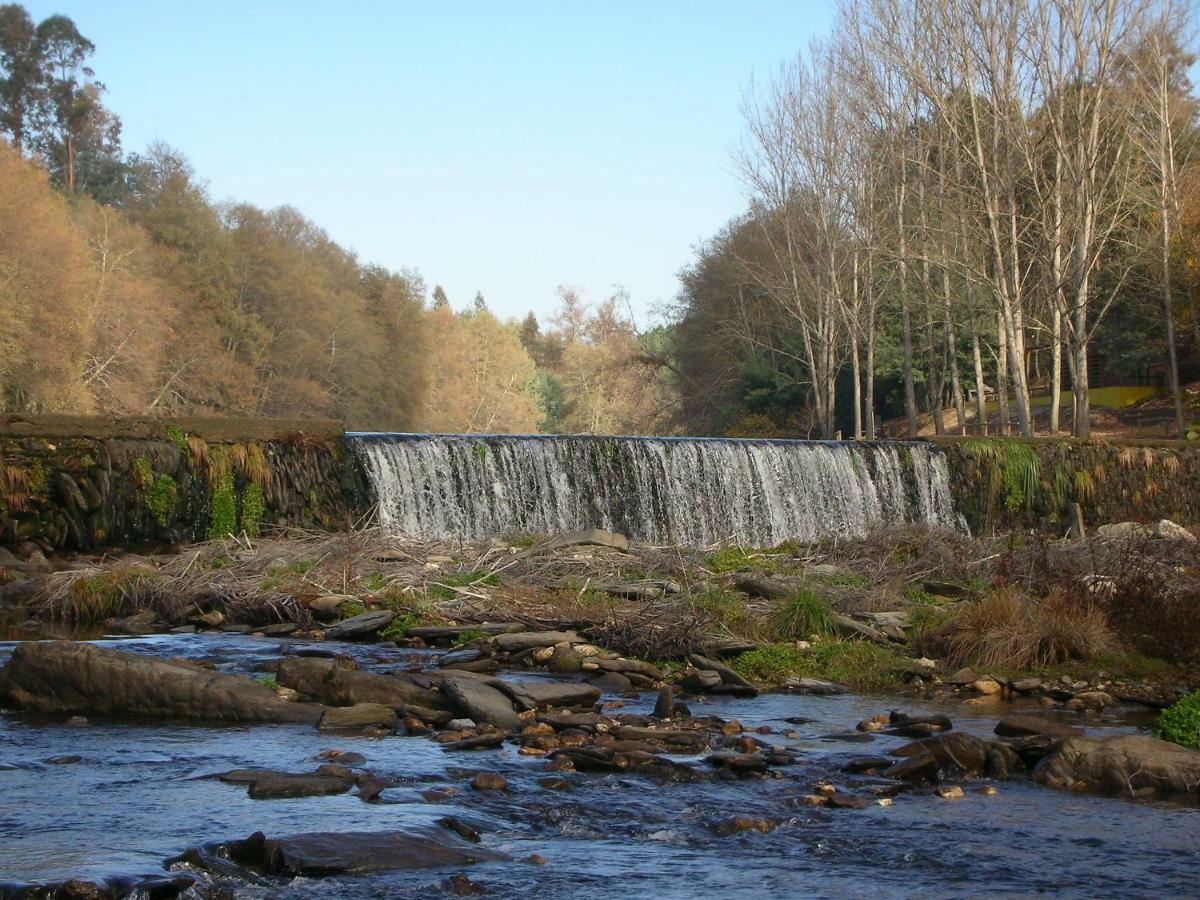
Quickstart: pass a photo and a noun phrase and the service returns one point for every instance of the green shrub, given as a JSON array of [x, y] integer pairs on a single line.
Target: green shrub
[[470, 637], [162, 499], [805, 614], [1181, 723], [222, 521], [397, 629], [350, 609], [268, 681], [178, 437], [725, 607]]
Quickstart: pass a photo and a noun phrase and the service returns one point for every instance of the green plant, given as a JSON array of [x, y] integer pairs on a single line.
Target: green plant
[[178, 437], [1181, 722], [1013, 471], [398, 628], [159, 493], [268, 681], [222, 521], [918, 596], [805, 614], [480, 451], [253, 508], [470, 637], [350, 609], [107, 593]]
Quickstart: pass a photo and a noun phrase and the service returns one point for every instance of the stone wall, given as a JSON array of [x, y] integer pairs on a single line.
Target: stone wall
[[133, 481], [1001, 484]]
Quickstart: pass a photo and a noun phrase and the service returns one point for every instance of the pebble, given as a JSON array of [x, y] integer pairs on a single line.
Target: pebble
[[953, 792]]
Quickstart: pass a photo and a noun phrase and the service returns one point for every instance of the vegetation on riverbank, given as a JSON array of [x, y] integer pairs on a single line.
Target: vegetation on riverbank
[[863, 612]]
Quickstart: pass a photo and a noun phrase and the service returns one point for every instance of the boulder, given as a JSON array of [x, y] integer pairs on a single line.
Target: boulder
[[345, 687], [1125, 763], [69, 677], [481, 702], [356, 628], [1169, 531], [1123, 531], [321, 854], [956, 753], [815, 686], [612, 683]]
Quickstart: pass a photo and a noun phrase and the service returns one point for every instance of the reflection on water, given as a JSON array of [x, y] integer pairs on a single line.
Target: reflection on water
[[139, 794]]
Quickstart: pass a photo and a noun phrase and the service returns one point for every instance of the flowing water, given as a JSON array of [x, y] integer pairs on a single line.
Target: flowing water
[[139, 795], [686, 491]]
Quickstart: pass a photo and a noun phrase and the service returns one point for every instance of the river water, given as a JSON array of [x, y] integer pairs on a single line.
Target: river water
[[140, 794]]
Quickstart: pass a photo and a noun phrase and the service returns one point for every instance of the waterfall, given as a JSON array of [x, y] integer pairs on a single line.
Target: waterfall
[[688, 491]]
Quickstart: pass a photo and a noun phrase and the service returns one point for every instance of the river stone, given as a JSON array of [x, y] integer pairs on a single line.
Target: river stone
[[815, 686], [346, 687], [530, 640], [1125, 763], [321, 854], [728, 675], [596, 537], [361, 626], [957, 753], [326, 607], [481, 702], [535, 694], [1168, 530], [69, 677], [1025, 726], [611, 683], [277, 785], [306, 674], [362, 715]]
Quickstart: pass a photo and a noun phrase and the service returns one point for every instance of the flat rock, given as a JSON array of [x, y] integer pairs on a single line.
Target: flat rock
[[362, 715], [529, 640], [537, 694], [361, 626], [321, 854], [611, 683], [814, 686], [596, 537], [278, 785], [481, 702], [1025, 726], [69, 677]]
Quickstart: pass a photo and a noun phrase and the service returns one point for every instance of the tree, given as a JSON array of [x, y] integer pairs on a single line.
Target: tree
[[20, 74]]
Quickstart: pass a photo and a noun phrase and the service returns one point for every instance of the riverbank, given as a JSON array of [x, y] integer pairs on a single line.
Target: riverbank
[[907, 609]]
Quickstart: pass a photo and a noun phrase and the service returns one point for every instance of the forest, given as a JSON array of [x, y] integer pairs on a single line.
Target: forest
[[957, 213]]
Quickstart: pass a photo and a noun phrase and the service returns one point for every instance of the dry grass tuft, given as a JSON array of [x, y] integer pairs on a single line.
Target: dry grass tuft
[[1006, 630]]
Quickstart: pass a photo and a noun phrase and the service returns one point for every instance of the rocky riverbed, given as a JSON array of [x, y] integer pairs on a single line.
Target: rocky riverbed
[[365, 768]]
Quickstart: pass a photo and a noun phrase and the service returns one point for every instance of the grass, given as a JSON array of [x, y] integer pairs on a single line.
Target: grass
[[269, 681], [725, 608], [106, 594], [1117, 397], [859, 664], [735, 559], [805, 614], [1008, 630]]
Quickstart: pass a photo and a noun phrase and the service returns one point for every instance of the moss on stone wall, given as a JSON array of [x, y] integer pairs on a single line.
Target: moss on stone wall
[[81, 493], [1003, 483]]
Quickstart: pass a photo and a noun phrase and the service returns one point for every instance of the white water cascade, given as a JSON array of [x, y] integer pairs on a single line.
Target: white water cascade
[[688, 491]]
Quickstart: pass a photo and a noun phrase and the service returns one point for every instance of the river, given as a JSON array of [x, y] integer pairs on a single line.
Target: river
[[140, 793]]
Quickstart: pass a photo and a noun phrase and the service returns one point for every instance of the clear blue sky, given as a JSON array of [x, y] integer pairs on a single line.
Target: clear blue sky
[[502, 147]]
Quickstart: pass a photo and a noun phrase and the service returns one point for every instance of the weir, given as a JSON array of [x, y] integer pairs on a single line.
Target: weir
[[688, 491]]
